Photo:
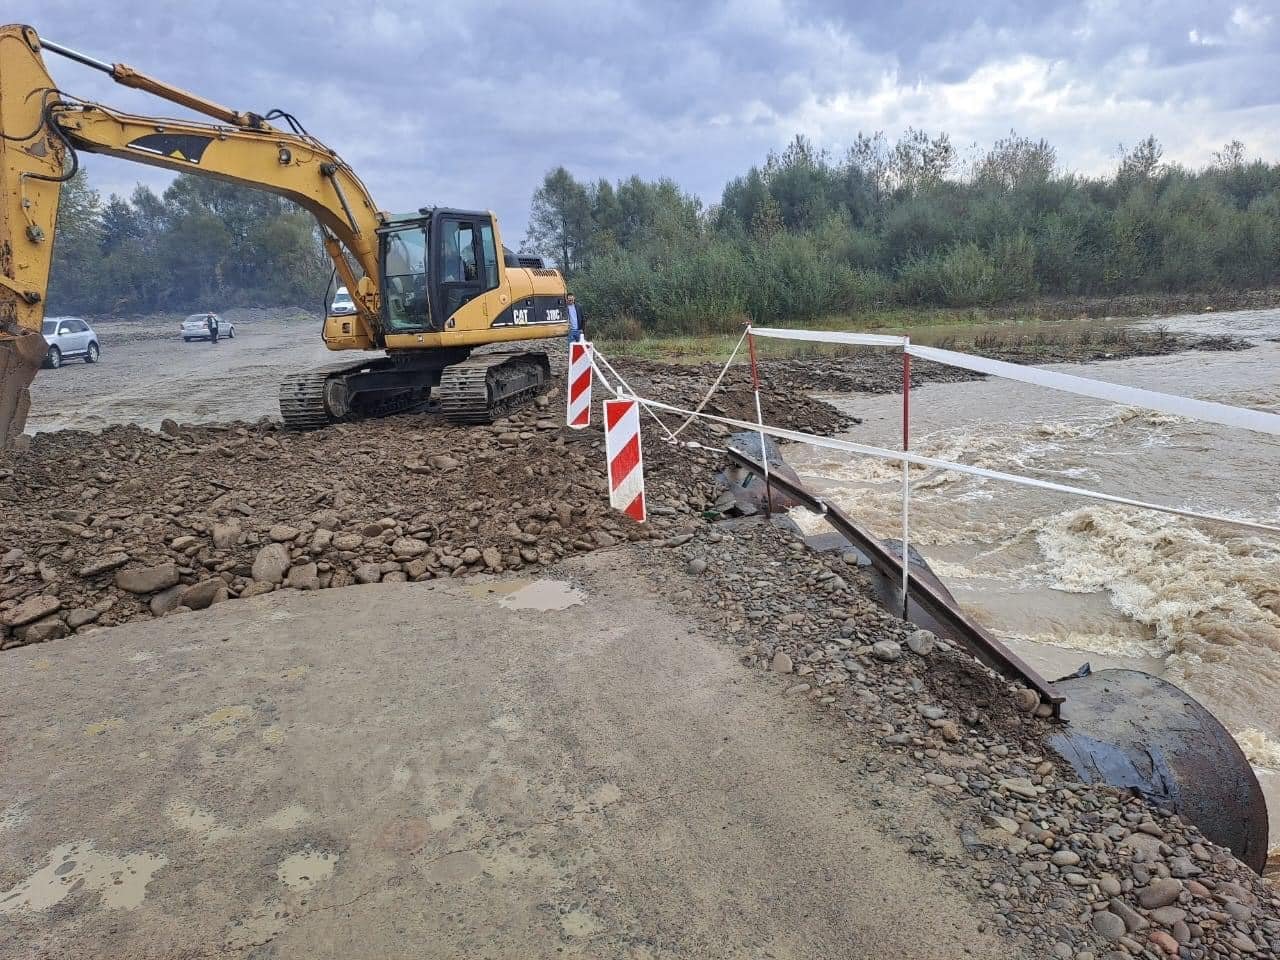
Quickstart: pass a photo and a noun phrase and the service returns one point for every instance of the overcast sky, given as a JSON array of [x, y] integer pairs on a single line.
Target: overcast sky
[[468, 104]]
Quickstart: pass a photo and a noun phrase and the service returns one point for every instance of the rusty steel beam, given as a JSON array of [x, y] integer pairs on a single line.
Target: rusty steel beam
[[928, 601]]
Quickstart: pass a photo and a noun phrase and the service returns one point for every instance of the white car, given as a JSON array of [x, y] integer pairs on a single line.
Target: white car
[[69, 337], [195, 327], [342, 304]]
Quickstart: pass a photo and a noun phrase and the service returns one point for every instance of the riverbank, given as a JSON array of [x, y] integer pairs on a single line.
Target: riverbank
[[1018, 341], [151, 529]]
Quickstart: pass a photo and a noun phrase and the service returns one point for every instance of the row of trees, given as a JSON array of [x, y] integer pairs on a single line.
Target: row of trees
[[202, 245], [803, 235], [807, 235]]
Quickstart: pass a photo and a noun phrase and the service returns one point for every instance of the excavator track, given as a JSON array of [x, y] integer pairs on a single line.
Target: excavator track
[[320, 397], [302, 396], [484, 388]]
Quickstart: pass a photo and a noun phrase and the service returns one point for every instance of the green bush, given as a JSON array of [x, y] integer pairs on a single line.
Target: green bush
[[968, 277]]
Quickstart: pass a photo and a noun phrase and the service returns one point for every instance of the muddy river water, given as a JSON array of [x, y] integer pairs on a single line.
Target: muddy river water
[[1066, 580]]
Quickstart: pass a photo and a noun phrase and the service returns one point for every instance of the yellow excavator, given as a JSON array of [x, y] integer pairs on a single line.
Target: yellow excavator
[[428, 287]]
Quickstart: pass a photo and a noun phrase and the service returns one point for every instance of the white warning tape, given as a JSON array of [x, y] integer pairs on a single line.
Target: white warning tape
[[578, 395], [831, 336], [625, 461], [900, 456], [1098, 389]]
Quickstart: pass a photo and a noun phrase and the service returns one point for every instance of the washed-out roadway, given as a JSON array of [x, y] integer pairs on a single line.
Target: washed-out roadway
[[445, 769]]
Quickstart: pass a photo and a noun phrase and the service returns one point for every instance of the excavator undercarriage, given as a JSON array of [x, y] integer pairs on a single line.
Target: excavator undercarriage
[[478, 389]]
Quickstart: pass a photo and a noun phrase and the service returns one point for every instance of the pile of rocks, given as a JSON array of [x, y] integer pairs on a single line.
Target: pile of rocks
[[102, 528], [1069, 870]]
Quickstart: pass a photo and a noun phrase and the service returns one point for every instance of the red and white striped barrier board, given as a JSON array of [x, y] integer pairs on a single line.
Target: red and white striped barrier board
[[578, 414], [622, 450]]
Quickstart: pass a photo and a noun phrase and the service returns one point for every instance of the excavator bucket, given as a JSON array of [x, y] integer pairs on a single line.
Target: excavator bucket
[[32, 159]]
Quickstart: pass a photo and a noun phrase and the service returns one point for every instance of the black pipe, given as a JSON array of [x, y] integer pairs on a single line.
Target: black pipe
[[953, 622]]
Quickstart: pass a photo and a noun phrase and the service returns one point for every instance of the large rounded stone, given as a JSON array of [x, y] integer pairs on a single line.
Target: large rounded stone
[[886, 650], [1108, 925], [147, 579], [271, 563], [200, 595]]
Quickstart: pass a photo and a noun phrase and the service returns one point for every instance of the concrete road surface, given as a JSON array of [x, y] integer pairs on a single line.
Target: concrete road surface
[[444, 770]]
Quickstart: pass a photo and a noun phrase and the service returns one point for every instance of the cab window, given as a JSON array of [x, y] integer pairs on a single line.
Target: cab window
[[490, 250], [405, 272], [458, 252]]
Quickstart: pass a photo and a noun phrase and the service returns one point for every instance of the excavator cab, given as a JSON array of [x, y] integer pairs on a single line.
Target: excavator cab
[[434, 265], [445, 273]]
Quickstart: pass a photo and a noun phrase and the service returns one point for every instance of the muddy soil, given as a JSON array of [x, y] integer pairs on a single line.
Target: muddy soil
[[147, 373]]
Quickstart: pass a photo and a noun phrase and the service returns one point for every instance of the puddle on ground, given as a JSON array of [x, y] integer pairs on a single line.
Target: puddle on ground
[[294, 815], [303, 870], [541, 595], [121, 880]]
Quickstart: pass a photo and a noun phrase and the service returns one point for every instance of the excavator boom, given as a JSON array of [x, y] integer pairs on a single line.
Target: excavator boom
[[41, 129], [32, 161]]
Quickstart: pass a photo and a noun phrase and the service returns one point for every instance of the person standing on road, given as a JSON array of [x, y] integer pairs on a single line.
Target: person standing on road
[[577, 328], [211, 322]]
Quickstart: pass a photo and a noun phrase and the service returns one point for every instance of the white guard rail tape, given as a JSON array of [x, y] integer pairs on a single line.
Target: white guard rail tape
[[898, 455], [1100, 390], [831, 336]]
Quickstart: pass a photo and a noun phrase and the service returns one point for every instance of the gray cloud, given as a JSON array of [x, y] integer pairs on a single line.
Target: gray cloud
[[470, 105]]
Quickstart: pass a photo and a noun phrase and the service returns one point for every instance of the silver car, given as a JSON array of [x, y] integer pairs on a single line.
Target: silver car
[[196, 327], [69, 337], [342, 305]]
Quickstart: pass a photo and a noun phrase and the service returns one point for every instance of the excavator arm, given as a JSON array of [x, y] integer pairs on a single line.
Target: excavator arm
[[41, 129]]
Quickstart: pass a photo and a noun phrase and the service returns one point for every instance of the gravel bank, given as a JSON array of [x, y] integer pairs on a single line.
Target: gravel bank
[[1066, 869], [102, 528]]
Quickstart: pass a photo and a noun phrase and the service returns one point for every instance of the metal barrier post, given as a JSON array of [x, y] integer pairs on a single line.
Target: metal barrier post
[[764, 451], [906, 481]]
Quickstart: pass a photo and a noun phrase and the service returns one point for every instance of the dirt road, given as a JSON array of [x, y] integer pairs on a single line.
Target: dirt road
[[144, 381], [501, 779]]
